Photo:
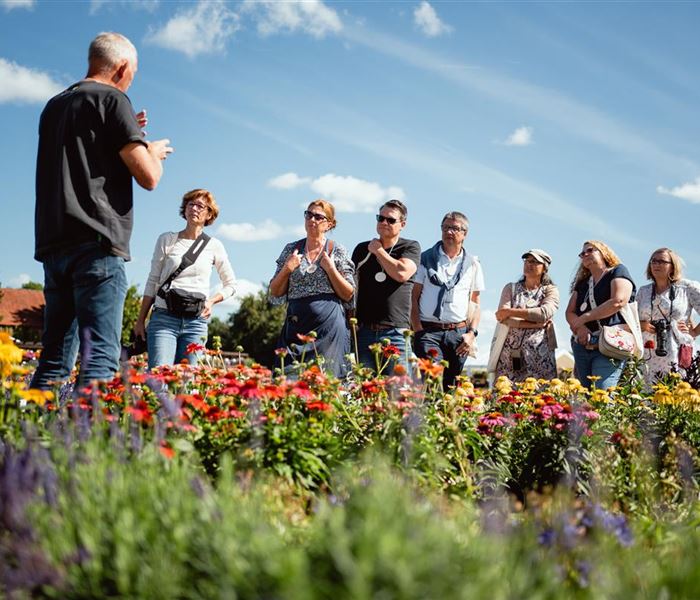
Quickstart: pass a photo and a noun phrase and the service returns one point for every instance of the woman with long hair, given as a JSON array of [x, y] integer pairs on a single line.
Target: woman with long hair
[[665, 306], [601, 287]]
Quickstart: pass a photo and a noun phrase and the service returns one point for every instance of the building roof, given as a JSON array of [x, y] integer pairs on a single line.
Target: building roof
[[22, 307]]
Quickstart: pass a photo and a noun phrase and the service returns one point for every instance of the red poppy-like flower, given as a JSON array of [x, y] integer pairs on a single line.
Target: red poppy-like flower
[[391, 351], [166, 450], [306, 339], [433, 353], [399, 370], [192, 348], [650, 344], [319, 405], [140, 412]]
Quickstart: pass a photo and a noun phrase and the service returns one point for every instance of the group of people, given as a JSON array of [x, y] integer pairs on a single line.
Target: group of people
[[91, 146]]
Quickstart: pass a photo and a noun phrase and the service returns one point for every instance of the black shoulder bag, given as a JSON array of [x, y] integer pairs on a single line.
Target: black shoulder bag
[[180, 303]]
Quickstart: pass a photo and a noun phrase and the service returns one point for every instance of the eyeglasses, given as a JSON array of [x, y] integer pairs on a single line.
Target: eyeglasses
[[197, 206], [659, 261], [453, 229], [586, 252], [318, 217], [390, 220]]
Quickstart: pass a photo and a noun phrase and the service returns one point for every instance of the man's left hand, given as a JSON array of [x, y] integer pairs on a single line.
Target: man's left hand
[[467, 342]]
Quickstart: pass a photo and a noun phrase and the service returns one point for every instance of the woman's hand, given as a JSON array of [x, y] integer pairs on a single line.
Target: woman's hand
[[577, 323], [583, 335], [293, 261], [206, 311], [140, 329], [647, 327], [683, 327], [326, 262], [502, 314]]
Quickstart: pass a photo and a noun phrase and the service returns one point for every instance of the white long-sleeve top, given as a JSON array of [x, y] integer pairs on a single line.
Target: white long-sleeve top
[[167, 257]]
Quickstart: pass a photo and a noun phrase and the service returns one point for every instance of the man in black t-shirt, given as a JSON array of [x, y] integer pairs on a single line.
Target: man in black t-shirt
[[91, 144], [385, 269]]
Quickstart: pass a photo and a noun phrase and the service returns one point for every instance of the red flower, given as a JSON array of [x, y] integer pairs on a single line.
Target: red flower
[[192, 348], [166, 450], [140, 412], [318, 405], [649, 344], [306, 339], [391, 351], [433, 353]]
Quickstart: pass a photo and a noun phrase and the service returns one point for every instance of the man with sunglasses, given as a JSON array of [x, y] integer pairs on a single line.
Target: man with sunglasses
[[385, 268], [445, 301]]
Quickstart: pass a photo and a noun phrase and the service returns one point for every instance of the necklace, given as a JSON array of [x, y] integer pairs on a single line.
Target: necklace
[[311, 266], [380, 277]]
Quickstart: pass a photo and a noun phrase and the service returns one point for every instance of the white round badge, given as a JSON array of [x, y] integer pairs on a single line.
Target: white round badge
[[311, 268], [381, 276], [584, 306]]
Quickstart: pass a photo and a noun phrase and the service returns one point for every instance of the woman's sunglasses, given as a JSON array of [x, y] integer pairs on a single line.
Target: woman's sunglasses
[[318, 217]]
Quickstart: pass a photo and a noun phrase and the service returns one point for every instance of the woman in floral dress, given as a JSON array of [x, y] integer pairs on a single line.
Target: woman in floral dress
[[665, 306], [527, 307]]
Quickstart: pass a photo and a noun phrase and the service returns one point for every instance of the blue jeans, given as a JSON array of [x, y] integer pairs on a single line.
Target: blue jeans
[[366, 337], [168, 337], [592, 362], [445, 343], [84, 288]]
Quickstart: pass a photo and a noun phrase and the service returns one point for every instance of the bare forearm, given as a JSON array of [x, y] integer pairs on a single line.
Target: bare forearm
[[146, 303], [341, 286], [280, 283]]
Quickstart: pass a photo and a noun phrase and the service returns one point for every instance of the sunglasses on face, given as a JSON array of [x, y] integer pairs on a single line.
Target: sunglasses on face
[[586, 252], [453, 229], [659, 261], [318, 217], [390, 220]]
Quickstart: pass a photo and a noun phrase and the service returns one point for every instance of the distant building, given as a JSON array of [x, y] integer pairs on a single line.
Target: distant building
[[22, 313]]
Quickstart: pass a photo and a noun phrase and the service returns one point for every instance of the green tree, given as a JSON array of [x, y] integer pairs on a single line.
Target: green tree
[[132, 305], [33, 285], [256, 326]]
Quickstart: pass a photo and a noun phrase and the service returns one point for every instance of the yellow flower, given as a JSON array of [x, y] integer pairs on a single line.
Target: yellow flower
[[10, 354], [38, 397], [503, 385], [529, 386]]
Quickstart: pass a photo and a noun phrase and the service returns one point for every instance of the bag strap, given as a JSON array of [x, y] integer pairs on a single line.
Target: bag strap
[[188, 259]]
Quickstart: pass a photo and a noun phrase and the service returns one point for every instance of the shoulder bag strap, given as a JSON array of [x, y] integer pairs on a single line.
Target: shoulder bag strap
[[189, 258]]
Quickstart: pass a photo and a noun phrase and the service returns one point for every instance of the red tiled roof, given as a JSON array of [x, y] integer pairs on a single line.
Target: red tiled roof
[[22, 307]]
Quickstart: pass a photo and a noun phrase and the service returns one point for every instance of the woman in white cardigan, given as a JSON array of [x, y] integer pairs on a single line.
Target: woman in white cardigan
[[169, 335]]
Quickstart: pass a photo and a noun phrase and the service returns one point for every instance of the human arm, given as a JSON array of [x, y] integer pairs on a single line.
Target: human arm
[[227, 276], [144, 161], [620, 292], [469, 337], [287, 263], [340, 280], [399, 269], [140, 325], [580, 331], [415, 307]]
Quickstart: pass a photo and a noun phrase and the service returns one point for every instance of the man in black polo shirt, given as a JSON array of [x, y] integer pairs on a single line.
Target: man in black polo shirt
[[91, 144], [385, 269]]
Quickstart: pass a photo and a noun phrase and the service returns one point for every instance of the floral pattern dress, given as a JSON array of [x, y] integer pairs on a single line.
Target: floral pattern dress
[[536, 357], [687, 298]]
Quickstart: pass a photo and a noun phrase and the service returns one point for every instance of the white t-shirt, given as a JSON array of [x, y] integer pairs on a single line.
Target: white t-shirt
[[167, 257], [456, 310]]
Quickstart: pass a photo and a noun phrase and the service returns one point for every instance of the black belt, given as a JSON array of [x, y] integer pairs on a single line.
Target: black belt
[[431, 325]]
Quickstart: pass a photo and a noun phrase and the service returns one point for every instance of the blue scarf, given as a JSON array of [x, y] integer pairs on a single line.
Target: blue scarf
[[429, 259]]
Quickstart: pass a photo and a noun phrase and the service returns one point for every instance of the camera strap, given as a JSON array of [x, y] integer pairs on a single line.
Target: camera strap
[[672, 297], [188, 258]]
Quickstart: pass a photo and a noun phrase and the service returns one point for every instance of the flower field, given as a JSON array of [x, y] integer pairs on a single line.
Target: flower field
[[239, 482]]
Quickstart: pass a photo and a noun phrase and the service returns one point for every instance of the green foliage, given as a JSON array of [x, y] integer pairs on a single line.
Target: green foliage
[[33, 285], [132, 306], [256, 326]]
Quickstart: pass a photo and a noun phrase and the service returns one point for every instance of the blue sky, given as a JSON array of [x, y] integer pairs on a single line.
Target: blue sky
[[547, 123]]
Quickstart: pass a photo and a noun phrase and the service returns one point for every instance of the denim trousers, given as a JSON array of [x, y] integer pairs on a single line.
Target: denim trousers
[[445, 343], [367, 337], [593, 362], [84, 289], [168, 337]]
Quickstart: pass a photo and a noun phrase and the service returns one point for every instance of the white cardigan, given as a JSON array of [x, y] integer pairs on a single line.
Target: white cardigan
[[167, 256]]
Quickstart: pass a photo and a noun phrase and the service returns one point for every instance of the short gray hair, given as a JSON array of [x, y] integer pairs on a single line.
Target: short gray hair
[[454, 215], [108, 49]]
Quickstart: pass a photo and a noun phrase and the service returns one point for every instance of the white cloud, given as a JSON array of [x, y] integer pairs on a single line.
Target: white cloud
[[427, 20], [10, 4], [522, 136], [288, 181], [307, 16], [19, 281], [249, 232], [20, 84], [147, 5], [347, 193], [686, 191], [202, 29], [350, 194]]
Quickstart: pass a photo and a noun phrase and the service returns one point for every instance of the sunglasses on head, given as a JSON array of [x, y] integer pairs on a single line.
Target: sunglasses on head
[[390, 220], [308, 215]]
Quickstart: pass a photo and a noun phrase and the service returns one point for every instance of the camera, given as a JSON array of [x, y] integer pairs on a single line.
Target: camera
[[663, 329]]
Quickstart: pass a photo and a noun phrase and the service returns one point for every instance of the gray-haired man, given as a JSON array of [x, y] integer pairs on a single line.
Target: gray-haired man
[[445, 301], [91, 144]]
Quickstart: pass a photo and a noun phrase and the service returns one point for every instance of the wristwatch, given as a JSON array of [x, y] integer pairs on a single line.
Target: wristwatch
[[474, 331]]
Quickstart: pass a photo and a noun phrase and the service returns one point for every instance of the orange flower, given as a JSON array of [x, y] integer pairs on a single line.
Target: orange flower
[[430, 368]]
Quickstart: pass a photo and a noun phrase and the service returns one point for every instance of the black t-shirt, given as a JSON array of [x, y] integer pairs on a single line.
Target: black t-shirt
[[83, 187], [601, 293], [388, 302]]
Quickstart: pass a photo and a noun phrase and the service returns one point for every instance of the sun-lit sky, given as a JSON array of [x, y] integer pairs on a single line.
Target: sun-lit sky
[[547, 123]]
